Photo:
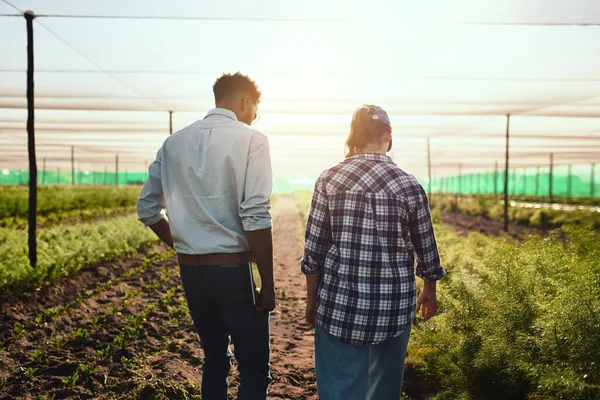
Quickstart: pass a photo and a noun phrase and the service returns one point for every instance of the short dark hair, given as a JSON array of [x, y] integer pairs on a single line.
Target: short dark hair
[[232, 84]]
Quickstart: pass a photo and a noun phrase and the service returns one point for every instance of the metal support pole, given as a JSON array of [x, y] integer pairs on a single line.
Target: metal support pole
[[593, 182], [496, 179], [57, 175], [117, 170], [105, 174], [428, 167], [170, 122], [525, 181], [506, 165], [31, 240], [537, 181], [569, 188], [471, 183], [550, 178], [72, 165], [459, 178], [44, 171]]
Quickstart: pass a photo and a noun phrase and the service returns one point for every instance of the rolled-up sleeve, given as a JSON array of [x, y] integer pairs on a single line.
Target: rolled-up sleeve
[[151, 201], [429, 266], [258, 186], [318, 232]]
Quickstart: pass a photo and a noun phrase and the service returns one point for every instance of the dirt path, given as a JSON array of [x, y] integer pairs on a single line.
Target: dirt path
[[122, 330], [292, 350]]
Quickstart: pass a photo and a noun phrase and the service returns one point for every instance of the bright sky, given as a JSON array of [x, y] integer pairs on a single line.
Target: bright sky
[[437, 67]]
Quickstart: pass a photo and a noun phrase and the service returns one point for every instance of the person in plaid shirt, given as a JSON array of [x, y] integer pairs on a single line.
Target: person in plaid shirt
[[368, 218]]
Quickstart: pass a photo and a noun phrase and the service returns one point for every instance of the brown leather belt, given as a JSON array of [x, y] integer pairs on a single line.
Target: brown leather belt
[[215, 258]]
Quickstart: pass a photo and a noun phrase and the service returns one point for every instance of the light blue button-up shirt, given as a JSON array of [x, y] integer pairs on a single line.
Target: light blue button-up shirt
[[214, 179]]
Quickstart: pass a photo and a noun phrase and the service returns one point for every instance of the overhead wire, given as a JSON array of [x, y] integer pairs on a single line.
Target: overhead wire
[[317, 20]]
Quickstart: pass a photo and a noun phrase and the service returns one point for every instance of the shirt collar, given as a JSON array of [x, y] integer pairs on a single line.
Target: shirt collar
[[373, 157], [222, 111]]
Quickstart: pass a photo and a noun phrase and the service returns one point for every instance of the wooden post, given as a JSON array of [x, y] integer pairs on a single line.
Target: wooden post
[[428, 168], [525, 181], [31, 240], [537, 181], [496, 179], [170, 122], [569, 194], [551, 173], [506, 165], [72, 165], [117, 169], [593, 182], [459, 178]]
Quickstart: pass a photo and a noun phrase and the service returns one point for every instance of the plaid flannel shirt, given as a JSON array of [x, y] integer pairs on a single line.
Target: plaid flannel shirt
[[367, 220]]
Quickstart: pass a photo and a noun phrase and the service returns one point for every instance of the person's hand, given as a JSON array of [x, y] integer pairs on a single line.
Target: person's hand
[[265, 301], [428, 302], [311, 313]]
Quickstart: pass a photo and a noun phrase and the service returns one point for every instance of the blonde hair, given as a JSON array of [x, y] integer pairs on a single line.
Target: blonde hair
[[362, 132]]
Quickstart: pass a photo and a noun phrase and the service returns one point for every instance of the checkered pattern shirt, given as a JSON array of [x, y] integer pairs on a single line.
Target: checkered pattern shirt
[[368, 218]]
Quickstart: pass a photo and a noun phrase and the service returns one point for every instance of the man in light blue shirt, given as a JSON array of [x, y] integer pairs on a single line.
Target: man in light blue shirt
[[214, 180]]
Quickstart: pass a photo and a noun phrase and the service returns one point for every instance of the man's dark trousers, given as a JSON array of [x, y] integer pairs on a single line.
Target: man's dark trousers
[[220, 299]]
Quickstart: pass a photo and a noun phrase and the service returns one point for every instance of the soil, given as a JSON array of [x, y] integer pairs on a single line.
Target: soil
[[158, 356]]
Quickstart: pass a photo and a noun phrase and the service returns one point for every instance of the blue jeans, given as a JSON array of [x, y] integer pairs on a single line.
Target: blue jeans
[[220, 299], [348, 372]]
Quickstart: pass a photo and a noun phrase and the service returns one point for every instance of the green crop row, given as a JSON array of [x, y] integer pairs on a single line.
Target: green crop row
[[490, 208], [517, 320], [14, 201], [64, 249]]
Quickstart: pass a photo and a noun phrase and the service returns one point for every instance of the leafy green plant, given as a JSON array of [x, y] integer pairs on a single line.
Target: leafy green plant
[[87, 369], [120, 340], [29, 371], [104, 353], [132, 363], [39, 320], [113, 309], [18, 330], [130, 294], [94, 323], [71, 380], [58, 342], [136, 320], [130, 332], [82, 334], [38, 355]]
